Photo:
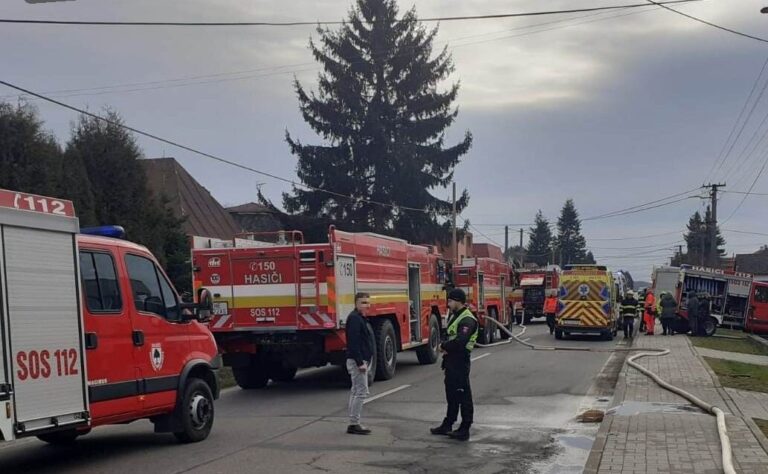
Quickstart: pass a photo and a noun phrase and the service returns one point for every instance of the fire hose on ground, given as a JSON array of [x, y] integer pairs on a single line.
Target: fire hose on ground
[[725, 443]]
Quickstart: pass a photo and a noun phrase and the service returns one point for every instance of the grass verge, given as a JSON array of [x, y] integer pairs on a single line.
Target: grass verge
[[744, 345], [740, 375], [762, 424]]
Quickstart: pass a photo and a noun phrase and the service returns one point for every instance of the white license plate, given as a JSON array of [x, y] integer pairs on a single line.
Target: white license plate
[[571, 322], [220, 308]]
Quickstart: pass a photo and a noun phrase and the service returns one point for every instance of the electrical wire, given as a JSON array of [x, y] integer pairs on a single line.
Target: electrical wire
[[729, 30], [323, 23], [641, 236], [205, 154]]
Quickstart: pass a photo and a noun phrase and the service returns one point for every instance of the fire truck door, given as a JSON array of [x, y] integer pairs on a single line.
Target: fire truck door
[[758, 311], [108, 328], [346, 286], [414, 297], [160, 337], [480, 292]]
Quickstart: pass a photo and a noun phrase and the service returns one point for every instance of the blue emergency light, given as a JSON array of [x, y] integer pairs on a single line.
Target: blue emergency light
[[114, 231]]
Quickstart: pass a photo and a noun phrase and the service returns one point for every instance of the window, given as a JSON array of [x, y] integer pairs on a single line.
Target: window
[[761, 294], [151, 292], [102, 293]]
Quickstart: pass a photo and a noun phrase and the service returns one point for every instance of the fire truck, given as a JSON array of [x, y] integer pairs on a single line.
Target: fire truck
[[487, 283], [92, 332], [729, 293], [536, 286], [281, 304], [757, 312]]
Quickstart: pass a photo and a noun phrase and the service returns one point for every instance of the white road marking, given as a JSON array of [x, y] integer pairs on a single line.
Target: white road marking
[[481, 356], [384, 394]]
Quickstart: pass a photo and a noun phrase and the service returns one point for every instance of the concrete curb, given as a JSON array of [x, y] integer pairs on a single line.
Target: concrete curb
[[758, 339], [732, 406], [598, 447]]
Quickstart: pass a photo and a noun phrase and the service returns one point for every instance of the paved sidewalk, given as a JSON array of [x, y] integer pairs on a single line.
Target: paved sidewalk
[[734, 356], [651, 430]]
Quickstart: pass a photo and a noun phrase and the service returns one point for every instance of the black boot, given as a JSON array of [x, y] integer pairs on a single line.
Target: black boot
[[462, 434], [443, 429]]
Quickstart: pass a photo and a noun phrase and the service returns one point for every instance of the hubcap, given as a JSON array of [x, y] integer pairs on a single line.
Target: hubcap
[[433, 339], [199, 411], [389, 351]]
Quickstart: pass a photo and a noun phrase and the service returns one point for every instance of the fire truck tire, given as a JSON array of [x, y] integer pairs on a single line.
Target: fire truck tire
[[251, 376], [428, 354], [386, 349], [486, 333], [195, 411], [558, 334], [60, 438], [710, 327], [279, 373]]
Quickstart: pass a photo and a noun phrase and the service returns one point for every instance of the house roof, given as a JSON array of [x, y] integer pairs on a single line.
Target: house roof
[[755, 263], [249, 208], [203, 215]]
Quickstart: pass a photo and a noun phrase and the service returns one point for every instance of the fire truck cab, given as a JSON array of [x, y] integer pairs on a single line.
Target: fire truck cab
[[486, 282], [757, 312], [92, 332], [281, 304]]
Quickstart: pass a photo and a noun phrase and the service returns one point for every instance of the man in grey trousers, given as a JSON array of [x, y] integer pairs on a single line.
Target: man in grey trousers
[[360, 348]]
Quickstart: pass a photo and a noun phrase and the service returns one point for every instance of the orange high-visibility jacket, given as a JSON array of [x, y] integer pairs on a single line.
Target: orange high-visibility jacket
[[550, 305]]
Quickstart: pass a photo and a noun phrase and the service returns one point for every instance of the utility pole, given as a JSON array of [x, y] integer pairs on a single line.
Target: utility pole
[[522, 254], [506, 243], [713, 256], [455, 242]]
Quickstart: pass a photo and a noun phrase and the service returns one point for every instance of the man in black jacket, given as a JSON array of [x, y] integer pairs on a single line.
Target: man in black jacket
[[360, 348], [462, 329], [692, 305]]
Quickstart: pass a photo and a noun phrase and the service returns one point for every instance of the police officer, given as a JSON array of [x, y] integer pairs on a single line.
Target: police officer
[[462, 334], [628, 312]]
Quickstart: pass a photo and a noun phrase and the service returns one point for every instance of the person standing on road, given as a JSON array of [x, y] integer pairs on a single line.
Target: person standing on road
[[641, 310], [628, 312], [650, 309], [703, 314], [667, 308], [692, 305], [462, 334], [359, 355], [550, 309]]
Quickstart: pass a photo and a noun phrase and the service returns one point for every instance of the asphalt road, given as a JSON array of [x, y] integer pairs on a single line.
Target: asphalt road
[[525, 407]]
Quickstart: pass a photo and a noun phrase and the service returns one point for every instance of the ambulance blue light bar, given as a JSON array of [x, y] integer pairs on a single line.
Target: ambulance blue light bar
[[114, 231]]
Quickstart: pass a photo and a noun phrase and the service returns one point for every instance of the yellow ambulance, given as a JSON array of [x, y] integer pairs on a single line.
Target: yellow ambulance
[[587, 302]]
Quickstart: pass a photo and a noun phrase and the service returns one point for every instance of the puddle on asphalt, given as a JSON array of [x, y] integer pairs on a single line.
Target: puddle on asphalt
[[572, 451], [635, 408]]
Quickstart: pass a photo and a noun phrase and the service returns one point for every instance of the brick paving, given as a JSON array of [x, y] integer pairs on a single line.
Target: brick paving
[[652, 430]]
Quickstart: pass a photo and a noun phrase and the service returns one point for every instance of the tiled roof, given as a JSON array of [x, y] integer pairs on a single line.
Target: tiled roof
[[189, 199]]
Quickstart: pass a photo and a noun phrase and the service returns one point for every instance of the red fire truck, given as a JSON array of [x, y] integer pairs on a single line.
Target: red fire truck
[[536, 286], [282, 306], [486, 281], [92, 332], [757, 312]]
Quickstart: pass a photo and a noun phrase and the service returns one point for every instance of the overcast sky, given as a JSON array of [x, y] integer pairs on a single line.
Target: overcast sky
[[610, 109]]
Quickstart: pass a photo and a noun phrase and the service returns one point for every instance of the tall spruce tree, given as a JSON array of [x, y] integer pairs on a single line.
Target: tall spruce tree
[[698, 242], [571, 246], [540, 242], [383, 117], [31, 161]]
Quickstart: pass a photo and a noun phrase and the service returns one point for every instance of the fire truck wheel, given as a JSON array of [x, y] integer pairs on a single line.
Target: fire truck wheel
[[196, 412], [251, 376], [61, 437], [710, 326], [428, 354], [386, 349], [282, 374], [486, 333]]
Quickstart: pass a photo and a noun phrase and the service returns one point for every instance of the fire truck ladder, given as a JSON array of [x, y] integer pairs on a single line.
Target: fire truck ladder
[[308, 285]]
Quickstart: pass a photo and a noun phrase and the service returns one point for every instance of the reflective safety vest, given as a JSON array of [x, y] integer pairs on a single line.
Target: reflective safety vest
[[454, 327]]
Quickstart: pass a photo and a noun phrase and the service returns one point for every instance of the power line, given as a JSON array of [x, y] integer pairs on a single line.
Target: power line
[[204, 154], [643, 207], [745, 232], [640, 236], [636, 248], [327, 23], [246, 74], [739, 33], [746, 195]]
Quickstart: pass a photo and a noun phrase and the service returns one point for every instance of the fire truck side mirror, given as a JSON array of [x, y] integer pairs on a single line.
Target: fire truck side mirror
[[204, 305]]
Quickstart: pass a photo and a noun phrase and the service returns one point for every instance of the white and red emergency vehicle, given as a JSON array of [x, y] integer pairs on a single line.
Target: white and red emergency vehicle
[[486, 281], [729, 293], [92, 332], [757, 311], [282, 305]]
